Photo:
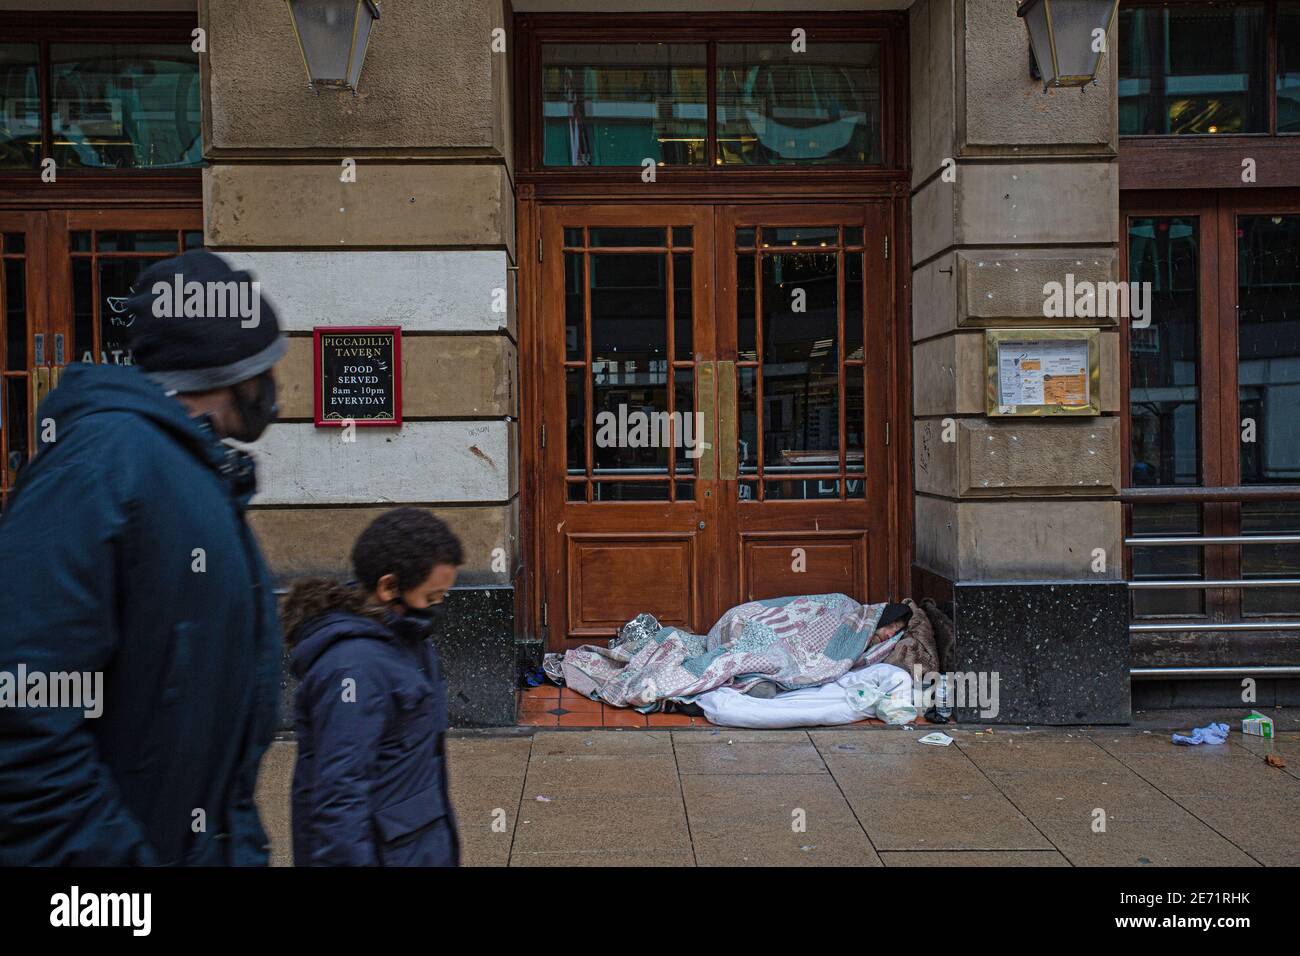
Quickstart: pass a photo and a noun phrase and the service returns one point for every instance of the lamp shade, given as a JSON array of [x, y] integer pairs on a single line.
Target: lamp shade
[[1063, 36], [332, 37]]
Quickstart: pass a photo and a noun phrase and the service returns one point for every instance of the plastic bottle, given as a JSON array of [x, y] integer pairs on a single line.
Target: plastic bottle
[[942, 697]]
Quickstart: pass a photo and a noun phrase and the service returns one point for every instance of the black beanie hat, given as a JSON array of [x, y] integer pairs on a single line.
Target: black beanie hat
[[892, 613], [197, 324]]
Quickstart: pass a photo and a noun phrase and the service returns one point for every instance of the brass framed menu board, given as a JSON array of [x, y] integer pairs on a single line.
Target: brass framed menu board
[[1042, 372]]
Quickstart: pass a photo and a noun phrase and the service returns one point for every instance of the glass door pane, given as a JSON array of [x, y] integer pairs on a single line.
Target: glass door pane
[[630, 403], [15, 361], [1268, 385], [1164, 407], [799, 300], [105, 265], [619, 104]]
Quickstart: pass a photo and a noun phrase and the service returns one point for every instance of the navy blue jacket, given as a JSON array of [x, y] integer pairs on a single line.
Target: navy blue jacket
[[125, 552], [370, 784]]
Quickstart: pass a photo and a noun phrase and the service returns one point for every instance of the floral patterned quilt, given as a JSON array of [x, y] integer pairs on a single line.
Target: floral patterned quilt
[[795, 642]]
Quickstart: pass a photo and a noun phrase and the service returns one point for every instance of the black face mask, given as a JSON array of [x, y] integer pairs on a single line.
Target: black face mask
[[417, 623], [256, 413]]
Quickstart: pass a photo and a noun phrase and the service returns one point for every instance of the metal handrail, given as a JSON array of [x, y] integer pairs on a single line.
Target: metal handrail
[[1243, 670], [1193, 541], [1197, 584], [1231, 494], [1211, 626]]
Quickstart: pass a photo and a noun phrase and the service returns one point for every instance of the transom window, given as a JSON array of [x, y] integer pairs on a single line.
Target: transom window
[[99, 106], [1207, 68], [722, 104]]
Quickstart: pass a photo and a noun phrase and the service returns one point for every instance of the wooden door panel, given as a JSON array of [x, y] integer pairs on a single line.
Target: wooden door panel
[[777, 564], [623, 289], [797, 473], [614, 577]]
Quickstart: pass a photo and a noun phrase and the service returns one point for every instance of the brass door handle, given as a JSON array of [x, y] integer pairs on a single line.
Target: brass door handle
[[40, 385], [727, 454]]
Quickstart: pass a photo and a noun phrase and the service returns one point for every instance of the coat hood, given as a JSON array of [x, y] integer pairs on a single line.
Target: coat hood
[[87, 390], [322, 633]]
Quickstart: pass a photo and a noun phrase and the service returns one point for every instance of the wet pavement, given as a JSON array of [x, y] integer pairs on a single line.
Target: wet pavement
[[865, 796]]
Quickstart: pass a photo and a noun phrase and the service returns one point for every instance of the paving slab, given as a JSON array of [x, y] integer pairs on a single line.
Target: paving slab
[[882, 741], [1041, 754], [1075, 787], [1286, 743], [488, 756], [773, 820], [606, 776], [273, 797], [1229, 774], [655, 858], [1159, 745], [738, 736], [630, 741], [568, 825], [487, 810], [1259, 824], [931, 771], [1132, 842], [973, 858], [979, 821], [727, 755]]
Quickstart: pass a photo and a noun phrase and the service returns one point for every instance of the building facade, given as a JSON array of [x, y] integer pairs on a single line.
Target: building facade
[[700, 304]]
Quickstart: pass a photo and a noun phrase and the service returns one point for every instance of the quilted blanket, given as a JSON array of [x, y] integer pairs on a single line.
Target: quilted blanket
[[795, 642]]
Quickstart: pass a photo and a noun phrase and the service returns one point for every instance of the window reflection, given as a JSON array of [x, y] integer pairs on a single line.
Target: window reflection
[[126, 105], [620, 104], [1193, 68], [1268, 344], [1288, 67], [20, 105], [1164, 392], [776, 106]]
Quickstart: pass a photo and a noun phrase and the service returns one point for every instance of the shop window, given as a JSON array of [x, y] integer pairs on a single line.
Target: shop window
[[1268, 347], [709, 104], [20, 105], [1193, 68], [621, 104], [1164, 394], [130, 105], [1288, 67], [125, 106], [819, 106]]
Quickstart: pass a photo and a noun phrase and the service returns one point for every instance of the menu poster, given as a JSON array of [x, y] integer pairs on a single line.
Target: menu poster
[[1052, 372], [358, 375]]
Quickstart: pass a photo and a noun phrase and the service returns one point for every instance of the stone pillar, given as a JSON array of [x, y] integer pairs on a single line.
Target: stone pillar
[[1018, 523], [424, 239]]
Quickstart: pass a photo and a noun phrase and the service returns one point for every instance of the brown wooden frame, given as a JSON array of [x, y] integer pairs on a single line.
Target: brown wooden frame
[[23, 188], [1214, 161], [1218, 427], [538, 187]]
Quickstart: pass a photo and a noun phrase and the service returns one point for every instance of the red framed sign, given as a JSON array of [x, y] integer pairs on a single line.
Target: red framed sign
[[357, 375]]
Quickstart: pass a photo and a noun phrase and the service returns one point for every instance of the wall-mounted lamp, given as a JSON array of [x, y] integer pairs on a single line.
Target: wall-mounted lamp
[[1067, 38], [332, 37]]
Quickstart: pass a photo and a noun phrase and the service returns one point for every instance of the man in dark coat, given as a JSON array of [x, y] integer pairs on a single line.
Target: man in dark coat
[[126, 555]]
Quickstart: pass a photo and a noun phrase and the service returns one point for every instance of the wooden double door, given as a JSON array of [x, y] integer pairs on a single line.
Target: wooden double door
[[64, 275], [713, 409]]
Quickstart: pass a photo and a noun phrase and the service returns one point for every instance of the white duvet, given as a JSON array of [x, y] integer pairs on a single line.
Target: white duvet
[[881, 690]]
